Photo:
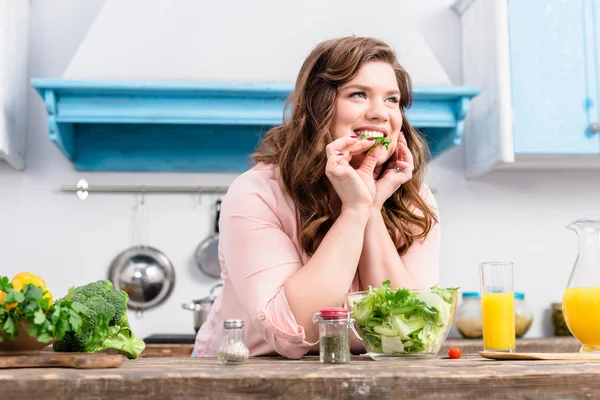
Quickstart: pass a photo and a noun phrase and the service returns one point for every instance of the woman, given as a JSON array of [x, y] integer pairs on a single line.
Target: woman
[[317, 217]]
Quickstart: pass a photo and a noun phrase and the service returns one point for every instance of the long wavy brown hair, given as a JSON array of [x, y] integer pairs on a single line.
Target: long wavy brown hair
[[297, 146]]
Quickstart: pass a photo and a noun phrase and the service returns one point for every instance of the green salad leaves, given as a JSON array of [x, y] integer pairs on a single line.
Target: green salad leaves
[[402, 321]]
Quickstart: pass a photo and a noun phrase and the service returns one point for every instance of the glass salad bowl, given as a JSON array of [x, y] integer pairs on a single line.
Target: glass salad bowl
[[394, 323]]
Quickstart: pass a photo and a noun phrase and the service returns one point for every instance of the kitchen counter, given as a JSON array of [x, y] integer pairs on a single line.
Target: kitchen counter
[[470, 377]]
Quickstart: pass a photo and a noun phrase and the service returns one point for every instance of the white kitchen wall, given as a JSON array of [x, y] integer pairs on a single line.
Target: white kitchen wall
[[508, 215]]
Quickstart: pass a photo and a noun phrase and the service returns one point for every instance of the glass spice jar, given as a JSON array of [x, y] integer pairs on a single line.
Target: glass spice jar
[[468, 316], [558, 321], [233, 350], [334, 337]]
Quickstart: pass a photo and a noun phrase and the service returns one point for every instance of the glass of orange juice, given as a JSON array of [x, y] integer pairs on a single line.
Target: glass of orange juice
[[498, 306]]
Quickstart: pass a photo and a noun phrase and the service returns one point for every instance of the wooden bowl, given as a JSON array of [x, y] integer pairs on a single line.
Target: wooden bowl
[[22, 343]]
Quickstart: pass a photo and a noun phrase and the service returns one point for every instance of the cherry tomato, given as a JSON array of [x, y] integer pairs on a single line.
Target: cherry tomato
[[454, 352]]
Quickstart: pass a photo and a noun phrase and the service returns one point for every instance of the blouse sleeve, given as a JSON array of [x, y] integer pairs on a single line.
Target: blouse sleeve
[[423, 258], [259, 258]]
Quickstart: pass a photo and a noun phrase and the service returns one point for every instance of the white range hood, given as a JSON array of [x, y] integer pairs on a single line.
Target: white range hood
[[198, 70], [237, 41]]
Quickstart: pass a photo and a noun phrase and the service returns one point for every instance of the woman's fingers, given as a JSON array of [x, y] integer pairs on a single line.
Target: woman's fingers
[[336, 160], [340, 144], [349, 145], [405, 167], [361, 146], [404, 153]]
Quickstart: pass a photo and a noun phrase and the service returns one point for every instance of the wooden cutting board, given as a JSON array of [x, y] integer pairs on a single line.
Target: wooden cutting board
[[497, 355], [61, 360]]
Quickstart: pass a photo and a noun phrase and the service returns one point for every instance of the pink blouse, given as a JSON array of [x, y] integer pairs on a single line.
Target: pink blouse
[[259, 251]]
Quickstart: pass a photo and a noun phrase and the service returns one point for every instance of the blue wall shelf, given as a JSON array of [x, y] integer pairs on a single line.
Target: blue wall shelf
[[199, 127]]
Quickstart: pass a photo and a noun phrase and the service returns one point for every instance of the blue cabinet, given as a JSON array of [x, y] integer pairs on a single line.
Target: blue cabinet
[[554, 97], [199, 127], [538, 64]]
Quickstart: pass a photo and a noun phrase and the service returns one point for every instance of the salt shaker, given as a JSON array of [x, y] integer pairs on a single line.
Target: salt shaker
[[334, 337], [233, 350]]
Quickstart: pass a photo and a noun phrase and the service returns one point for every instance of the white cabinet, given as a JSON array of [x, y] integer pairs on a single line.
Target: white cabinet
[[537, 64], [14, 29]]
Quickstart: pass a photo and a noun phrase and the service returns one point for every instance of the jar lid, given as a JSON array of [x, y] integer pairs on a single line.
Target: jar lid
[[468, 295], [334, 313], [233, 323]]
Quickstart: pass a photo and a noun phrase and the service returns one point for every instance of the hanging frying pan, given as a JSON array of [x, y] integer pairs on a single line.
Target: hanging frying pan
[[207, 252]]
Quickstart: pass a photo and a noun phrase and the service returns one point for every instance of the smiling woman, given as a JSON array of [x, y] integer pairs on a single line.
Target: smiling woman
[[335, 203]]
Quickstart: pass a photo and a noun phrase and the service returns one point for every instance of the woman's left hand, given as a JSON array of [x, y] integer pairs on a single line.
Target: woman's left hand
[[399, 170]]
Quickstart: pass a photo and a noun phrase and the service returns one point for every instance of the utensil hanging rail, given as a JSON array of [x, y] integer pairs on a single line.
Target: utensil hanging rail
[[144, 189]]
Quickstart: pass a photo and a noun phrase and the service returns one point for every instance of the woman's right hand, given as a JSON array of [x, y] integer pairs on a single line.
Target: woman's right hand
[[347, 182]]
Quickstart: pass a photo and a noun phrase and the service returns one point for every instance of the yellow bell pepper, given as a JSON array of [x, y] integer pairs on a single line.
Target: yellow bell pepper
[[20, 280]]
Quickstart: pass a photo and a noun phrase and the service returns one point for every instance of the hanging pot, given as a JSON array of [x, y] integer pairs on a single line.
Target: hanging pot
[[144, 272], [207, 252], [201, 307]]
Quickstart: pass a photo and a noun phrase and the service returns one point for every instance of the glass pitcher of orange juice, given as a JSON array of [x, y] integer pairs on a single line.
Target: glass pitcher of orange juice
[[581, 299]]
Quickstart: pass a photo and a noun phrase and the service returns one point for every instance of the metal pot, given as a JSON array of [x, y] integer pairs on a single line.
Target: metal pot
[[201, 307], [146, 274]]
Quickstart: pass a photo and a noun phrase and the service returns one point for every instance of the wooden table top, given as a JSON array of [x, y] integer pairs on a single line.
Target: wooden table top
[[471, 377]]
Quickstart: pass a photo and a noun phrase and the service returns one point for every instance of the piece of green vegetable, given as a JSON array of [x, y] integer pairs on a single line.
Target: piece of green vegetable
[[379, 140], [403, 322], [107, 322]]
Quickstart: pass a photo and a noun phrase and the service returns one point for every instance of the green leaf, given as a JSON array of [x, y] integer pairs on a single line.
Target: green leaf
[[76, 321], [39, 317], [9, 327], [61, 327], [45, 302], [79, 308], [12, 296], [28, 307], [33, 292], [34, 330], [5, 284], [379, 140], [123, 340], [45, 337]]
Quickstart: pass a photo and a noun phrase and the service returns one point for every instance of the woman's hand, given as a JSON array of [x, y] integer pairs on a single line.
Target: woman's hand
[[354, 190], [398, 170]]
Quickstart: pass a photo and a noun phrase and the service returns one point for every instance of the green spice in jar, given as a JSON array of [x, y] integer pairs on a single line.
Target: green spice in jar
[[336, 348]]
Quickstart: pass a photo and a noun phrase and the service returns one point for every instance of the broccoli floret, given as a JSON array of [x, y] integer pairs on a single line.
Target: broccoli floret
[[101, 297], [69, 343], [107, 325]]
